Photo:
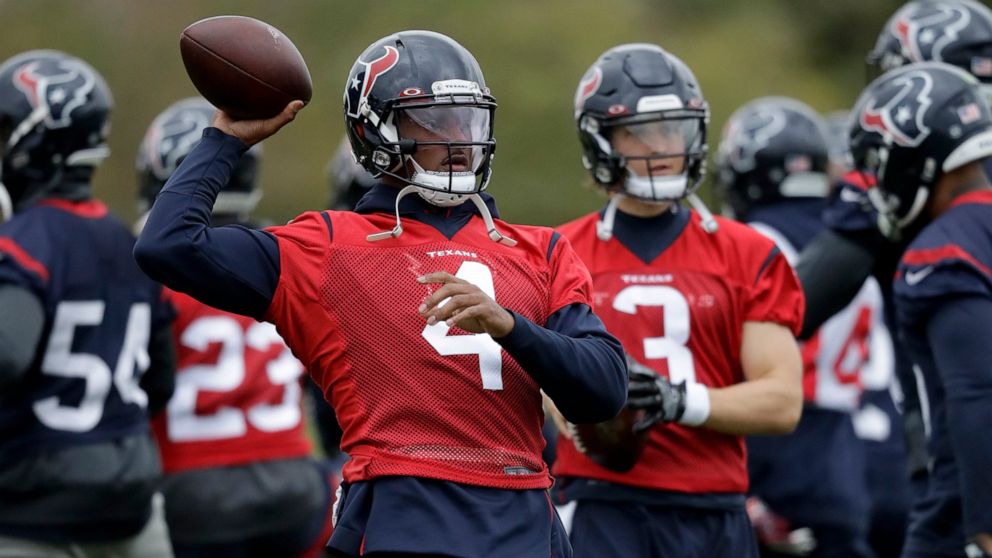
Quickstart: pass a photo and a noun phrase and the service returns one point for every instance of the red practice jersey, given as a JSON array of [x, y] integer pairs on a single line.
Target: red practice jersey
[[238, 392], [412, 399], [683, 315]]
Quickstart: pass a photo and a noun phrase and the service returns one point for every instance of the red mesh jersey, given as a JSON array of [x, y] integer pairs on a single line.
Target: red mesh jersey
[[238, 392], [413, 399], [683, 315]]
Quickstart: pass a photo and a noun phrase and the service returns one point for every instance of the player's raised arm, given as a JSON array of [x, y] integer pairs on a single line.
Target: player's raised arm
[[232, 268]]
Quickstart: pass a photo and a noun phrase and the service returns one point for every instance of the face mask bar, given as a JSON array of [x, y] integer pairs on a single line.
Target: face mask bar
[[887, 205], [442, 188], [437, 118], [659, 136]]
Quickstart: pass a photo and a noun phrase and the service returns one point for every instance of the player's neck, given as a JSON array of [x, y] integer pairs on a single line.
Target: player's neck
[[638, 208], [956, 183]]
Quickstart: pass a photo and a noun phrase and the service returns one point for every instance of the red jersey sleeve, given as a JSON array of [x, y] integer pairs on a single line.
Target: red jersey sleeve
[[775, 295], [570, 279]]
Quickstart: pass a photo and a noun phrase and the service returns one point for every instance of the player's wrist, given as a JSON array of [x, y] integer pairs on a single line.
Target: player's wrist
[[697, 405], [504, 323]]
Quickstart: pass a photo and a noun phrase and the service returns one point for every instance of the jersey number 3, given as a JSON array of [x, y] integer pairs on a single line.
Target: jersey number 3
[[675, 322]]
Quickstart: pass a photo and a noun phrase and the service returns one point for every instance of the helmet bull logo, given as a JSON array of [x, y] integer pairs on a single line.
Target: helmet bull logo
[[897, 112], [361, 83], [754, 133], [176, 135], [56, 86], [930, 29]]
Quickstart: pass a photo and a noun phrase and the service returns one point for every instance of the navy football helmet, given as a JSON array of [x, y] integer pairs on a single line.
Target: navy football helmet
[[771, 149], [641, 86], [171, 136], [349, 181], [910, 127], [958, 32], [54, 119], [434, 84]]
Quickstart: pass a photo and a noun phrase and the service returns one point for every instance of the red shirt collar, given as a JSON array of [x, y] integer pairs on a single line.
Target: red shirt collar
[[87, 209]]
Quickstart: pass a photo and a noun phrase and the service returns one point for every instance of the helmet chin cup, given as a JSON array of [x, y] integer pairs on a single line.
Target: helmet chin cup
[[443, 189], [656, 188], [440, 199]]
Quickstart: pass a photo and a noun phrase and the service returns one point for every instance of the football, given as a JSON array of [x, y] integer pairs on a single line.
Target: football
[[244, 66], [613, 443]]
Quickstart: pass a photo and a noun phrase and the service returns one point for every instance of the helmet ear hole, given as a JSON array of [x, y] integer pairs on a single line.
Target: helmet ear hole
[[382, 160], [604, 175]]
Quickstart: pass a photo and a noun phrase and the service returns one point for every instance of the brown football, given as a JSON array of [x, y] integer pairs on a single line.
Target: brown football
[[244, 66], [613, 443]]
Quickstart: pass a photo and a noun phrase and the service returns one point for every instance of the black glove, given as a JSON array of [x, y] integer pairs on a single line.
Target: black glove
[[661, 400]]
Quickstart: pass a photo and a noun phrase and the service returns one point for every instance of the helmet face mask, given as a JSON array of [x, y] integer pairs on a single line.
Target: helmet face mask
[[655, 154], [642, 123], [170, 138], [910, 127], [417, 110], [54, 116]]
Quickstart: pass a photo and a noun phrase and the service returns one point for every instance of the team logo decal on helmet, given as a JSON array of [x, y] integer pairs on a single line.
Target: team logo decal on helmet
[[173, 136], [587, 87], [57, 86], [362, 84], [901, 117], [753, 134], [925, 33]]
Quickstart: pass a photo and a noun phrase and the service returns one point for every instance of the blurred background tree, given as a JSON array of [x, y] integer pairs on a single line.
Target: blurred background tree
[[532, 52]]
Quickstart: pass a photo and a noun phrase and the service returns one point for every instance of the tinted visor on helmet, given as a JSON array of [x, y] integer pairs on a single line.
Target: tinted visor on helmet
[[656, 154], [453, 143], [656, 139], [459, 133]]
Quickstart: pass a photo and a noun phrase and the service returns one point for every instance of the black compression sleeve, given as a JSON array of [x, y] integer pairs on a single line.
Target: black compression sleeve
[[832, 268]]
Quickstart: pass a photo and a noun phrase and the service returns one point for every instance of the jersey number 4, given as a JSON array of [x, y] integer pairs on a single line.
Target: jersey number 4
[[59, 360], [489, 351]]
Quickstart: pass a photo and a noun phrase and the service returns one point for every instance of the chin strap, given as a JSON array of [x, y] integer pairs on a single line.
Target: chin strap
[[6, 205], [707, 221], [604, 227], [398, 229], [494, 234]]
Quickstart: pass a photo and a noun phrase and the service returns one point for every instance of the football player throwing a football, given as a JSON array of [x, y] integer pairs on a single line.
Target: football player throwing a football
[[431, 325], [707, 305]]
